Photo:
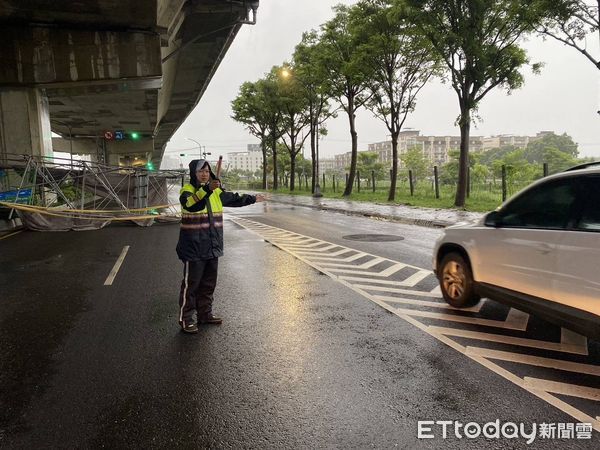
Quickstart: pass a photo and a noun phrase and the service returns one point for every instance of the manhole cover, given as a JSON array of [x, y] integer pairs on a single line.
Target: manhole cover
[[373, 237]]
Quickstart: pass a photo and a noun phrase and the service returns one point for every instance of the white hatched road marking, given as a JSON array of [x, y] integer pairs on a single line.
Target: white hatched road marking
[[539, 361], [557, 387], [438, 304], [571, 343]]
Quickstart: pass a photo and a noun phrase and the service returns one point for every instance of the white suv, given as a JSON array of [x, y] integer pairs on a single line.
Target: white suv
[[538, 252]]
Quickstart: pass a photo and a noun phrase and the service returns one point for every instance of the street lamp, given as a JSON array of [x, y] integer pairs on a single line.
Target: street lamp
[[203, 153], [286, 74], [197, 143]]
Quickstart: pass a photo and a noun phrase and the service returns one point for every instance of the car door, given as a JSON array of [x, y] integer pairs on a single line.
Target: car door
[[577, 281], [520, 253]]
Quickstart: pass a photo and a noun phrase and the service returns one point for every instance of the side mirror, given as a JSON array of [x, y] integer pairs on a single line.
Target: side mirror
[[493, 219]]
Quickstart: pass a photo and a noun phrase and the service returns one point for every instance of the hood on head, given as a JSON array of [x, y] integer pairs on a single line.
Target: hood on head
[[196, 164]]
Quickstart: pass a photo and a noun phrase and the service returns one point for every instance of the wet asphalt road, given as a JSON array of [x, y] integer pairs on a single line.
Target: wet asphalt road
[[300, 361]]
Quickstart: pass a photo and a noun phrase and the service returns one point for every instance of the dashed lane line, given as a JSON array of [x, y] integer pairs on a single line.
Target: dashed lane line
[[113, 273]]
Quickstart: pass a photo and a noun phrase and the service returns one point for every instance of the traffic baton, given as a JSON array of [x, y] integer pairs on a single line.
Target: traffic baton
[[219, 166]]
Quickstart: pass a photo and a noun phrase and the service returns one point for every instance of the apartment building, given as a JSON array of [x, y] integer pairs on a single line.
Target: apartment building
[[504, 140], [249, 160], [327, 165], [436, 148]]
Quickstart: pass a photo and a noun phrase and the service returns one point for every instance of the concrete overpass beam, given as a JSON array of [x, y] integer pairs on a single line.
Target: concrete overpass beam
[[25, 123], [42, 55]]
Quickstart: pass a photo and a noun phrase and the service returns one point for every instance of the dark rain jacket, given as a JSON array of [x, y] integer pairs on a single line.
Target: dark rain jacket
[[201, 233]]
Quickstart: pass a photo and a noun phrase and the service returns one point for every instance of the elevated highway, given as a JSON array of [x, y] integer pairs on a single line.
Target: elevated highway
[[114, 78]]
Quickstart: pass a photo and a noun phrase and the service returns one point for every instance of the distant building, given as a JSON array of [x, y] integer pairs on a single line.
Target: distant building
[[254, 148], [504, 140], [342, 161], [249, 160], [327, 165], [435, 148]]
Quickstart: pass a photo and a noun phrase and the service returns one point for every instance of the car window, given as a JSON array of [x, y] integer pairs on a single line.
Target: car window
[[548, 205], [590, 216]]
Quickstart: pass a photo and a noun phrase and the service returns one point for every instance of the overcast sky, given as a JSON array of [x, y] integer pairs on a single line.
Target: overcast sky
[[563, 98]]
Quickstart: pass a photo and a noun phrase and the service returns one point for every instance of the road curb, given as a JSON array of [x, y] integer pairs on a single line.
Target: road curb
[[391, 218]]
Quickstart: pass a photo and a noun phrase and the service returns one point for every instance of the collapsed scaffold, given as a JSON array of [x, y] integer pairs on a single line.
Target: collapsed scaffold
[[57, 194]]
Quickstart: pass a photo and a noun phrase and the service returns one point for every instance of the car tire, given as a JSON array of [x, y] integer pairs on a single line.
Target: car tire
[[456, 281]]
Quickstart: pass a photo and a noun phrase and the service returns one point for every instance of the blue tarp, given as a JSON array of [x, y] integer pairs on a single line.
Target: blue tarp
[[11, 196]]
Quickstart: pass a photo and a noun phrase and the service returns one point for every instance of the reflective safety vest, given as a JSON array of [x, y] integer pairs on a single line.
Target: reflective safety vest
[[201, 233]]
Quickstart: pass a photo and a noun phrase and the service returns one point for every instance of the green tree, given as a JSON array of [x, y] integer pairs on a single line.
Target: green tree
[[294, 115], [478, 41], [367, 163], [251, 108], [316, 88], [493, 154], [339, 61], [570, 22], [449, 171], [558, 160], [536, 149], [303, 168], [480, 173], [414, 160], [402, 61], [518, 169]]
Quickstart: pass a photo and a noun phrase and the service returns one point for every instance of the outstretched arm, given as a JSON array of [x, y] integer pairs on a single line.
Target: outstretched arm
[[233, 199]]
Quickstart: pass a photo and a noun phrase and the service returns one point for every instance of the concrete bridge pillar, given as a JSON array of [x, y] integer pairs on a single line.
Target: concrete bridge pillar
[[25, 122]]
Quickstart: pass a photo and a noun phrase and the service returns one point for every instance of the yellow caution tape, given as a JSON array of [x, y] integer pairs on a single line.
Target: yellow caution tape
[[86, 211], [66, 213]]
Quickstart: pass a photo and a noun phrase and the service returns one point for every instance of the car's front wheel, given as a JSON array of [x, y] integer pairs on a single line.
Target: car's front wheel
[[456, 281]]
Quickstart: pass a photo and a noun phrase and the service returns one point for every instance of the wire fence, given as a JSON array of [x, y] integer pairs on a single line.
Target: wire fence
[[432, 183]]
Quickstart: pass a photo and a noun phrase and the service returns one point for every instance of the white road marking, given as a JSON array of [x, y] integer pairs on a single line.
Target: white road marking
[[538, 361], [328, 258], [518, 319], [410, 301], [384, 273], [392, 290], [416, 277], [319, 250], [387, 282], [437, 290], [521, 342], [116, 267], [557, 387], [464, 319], [442, 333], [367, 265], [572, 338]]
